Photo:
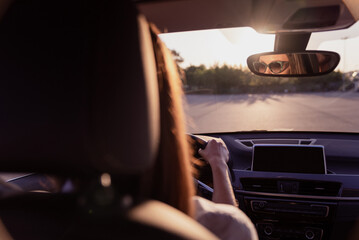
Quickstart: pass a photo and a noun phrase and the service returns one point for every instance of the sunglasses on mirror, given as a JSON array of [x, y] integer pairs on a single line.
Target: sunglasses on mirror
[[275, 66]]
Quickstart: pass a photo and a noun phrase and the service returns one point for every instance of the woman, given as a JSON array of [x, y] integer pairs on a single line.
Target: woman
[[172, 181], [274, 64]]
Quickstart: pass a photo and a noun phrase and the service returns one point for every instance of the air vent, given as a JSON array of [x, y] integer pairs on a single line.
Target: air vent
[[347, 192], [259, 185], [306, 142], [301, 187], [318, 188], [247, 143], [276, 141], [251, 142]]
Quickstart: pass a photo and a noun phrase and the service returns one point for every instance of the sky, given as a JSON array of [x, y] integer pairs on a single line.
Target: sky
[[232, 46]]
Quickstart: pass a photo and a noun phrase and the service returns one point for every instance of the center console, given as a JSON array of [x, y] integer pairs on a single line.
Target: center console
[[289, 208], [290, 219]]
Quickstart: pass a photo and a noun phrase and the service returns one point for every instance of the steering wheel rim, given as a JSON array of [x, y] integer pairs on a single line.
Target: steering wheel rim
[[205, 179], [199, 143]]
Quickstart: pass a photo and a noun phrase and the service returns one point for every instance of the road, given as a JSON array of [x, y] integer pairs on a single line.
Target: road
[[333, 111]]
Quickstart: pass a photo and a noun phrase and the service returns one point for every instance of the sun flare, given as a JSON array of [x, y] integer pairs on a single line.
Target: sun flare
[[230, 46]]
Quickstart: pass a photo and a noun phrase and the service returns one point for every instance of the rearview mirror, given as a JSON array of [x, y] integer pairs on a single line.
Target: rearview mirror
[[308, 63]]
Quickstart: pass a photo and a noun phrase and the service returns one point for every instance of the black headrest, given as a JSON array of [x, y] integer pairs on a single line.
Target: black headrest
[[78, 89]]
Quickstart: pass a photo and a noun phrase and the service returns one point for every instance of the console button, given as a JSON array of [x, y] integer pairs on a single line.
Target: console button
[[258, 205], [268, 230], [309, 234]]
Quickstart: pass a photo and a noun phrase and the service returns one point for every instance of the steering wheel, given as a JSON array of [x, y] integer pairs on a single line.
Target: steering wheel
[[198, 143], [204, 177]]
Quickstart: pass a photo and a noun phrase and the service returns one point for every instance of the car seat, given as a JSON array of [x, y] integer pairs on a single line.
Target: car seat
[[79, 98]]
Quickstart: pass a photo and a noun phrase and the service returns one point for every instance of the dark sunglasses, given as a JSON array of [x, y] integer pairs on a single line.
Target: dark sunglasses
[[275, 66]]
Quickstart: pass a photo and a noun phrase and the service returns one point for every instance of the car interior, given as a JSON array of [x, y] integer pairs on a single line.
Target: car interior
[[79, 98]]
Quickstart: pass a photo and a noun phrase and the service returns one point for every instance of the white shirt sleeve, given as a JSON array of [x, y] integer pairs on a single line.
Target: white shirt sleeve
[[226, 221]]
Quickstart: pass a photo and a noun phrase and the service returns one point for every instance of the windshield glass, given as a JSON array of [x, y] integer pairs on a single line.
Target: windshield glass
[[222, 95]]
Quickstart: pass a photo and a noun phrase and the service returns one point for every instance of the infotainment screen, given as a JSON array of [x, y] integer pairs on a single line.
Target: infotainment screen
[[289, 158]]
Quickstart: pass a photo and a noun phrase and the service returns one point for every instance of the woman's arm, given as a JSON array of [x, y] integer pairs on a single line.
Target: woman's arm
[[217, 155]]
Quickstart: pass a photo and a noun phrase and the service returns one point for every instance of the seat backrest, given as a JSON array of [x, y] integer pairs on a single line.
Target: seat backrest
[[79, 96], [78, 88]]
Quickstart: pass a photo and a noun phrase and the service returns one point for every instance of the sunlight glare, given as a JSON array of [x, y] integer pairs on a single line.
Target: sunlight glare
[[230, 46], [249, 40]]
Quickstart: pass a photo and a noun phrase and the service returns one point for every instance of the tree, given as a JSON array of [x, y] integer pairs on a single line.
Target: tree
[[177, 57], [230, 79], [178, 60]]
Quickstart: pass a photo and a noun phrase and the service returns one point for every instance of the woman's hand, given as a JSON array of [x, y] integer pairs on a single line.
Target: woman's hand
[[216, 153]]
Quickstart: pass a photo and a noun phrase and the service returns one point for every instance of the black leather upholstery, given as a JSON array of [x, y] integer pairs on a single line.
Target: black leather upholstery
[[78, 90], [79, 96], [45, 217]]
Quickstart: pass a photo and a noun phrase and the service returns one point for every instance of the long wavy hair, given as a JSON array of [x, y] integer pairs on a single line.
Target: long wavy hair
[[172, 180]]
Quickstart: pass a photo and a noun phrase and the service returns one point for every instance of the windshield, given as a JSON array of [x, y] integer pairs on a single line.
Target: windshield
[[222, 95]]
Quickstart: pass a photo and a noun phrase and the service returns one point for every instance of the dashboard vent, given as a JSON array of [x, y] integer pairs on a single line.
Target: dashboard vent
[[306, 142], [251, 142], [319, 188], [259, 185], [300, 187], [248, 143], [350, 192]]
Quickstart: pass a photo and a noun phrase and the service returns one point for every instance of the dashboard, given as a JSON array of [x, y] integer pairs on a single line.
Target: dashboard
[[314, 195], [290, 205]]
